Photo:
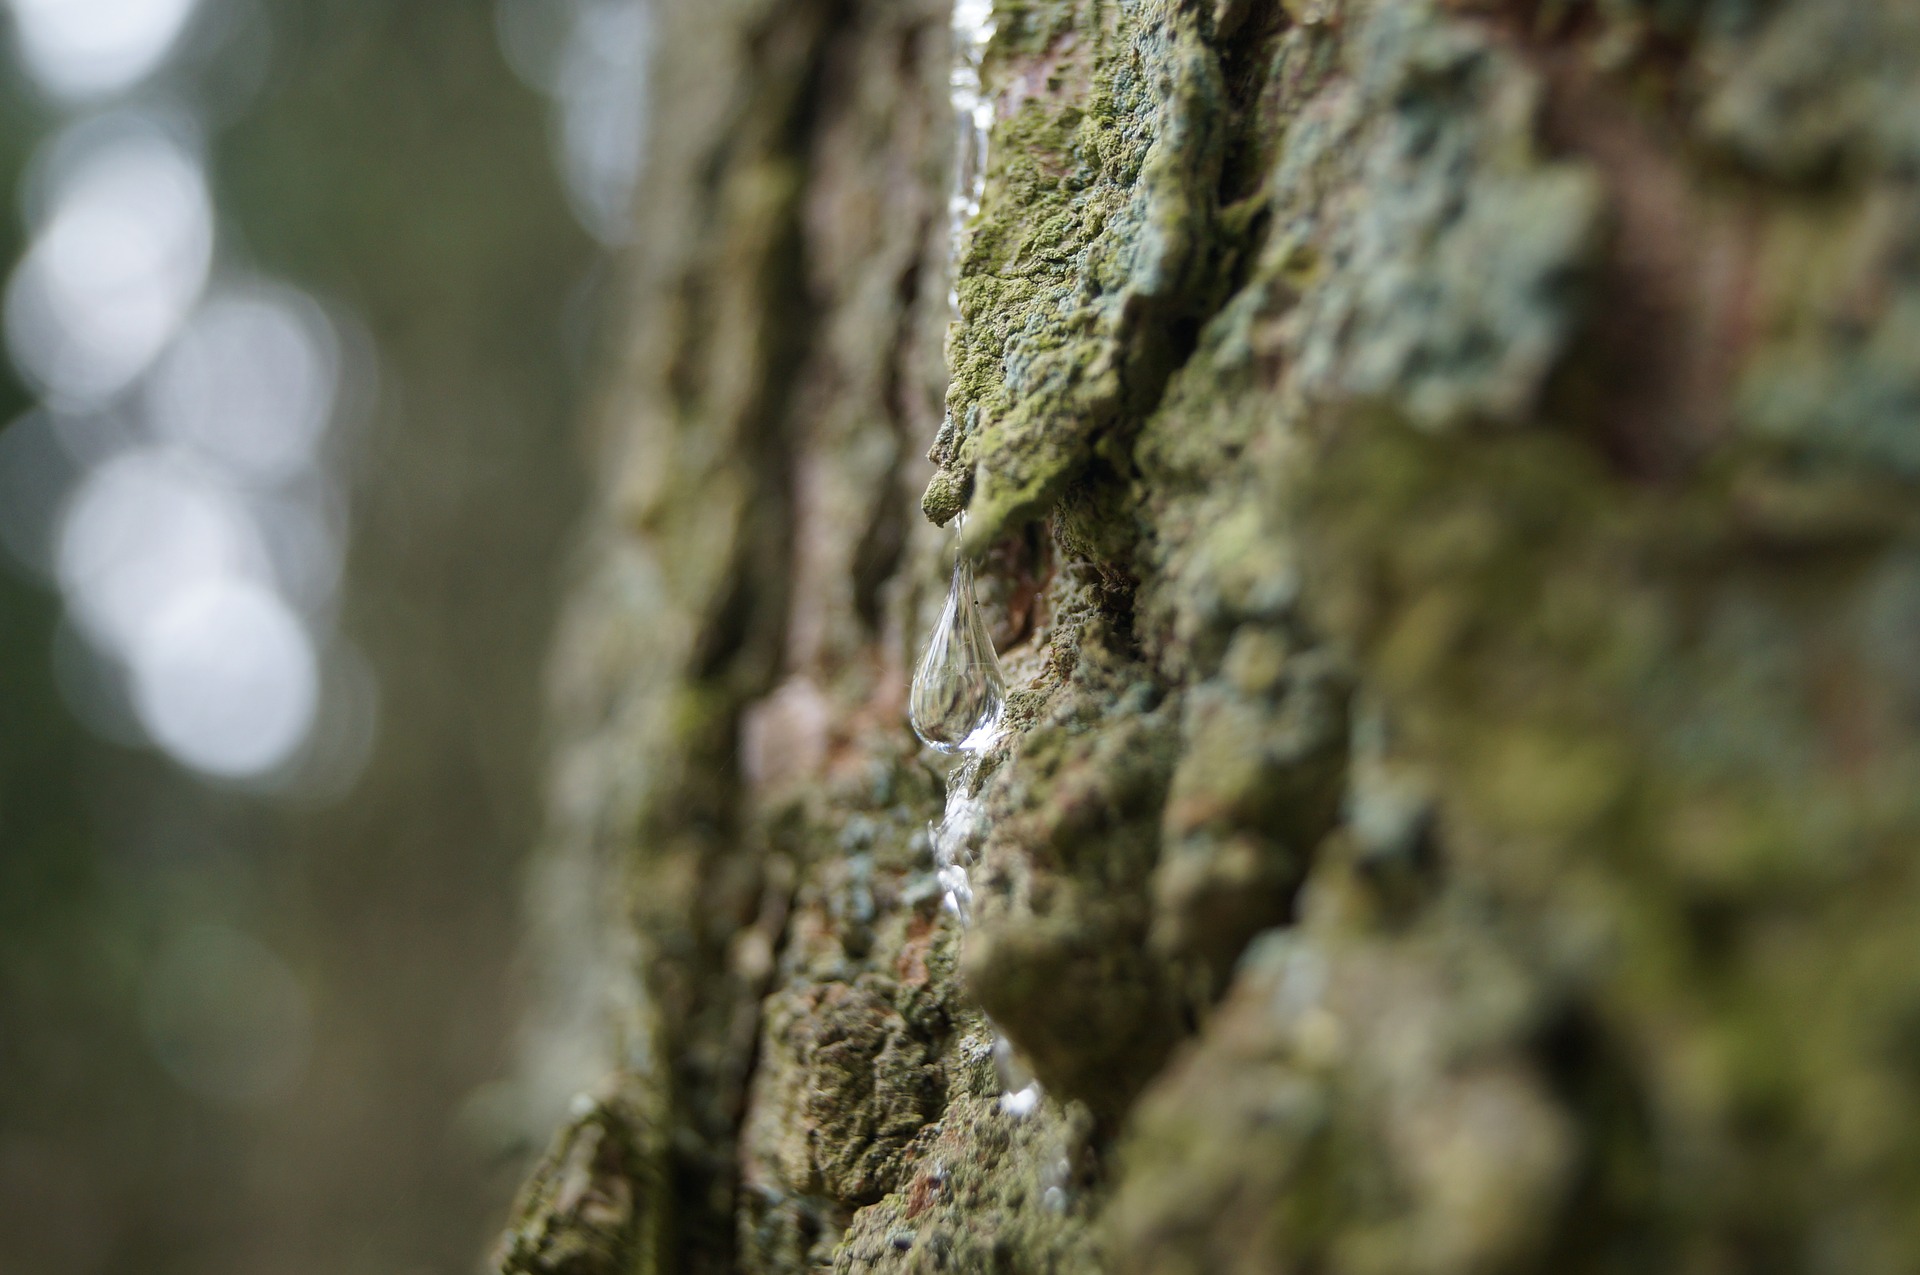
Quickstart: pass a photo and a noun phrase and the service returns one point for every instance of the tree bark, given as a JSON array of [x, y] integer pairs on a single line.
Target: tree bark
[[1444, 483]]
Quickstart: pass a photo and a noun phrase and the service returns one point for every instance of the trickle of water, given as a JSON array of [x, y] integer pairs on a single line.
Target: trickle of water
[[973, 28], [953, 852], [1023, 1102], [958, 689]]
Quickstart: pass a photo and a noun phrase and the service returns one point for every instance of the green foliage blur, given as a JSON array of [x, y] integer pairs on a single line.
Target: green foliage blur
[[383, 156]]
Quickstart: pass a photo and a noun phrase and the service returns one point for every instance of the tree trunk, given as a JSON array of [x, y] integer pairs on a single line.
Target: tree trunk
[[1443, 478]]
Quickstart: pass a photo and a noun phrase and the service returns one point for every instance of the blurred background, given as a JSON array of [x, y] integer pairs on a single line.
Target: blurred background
[[299, 298]]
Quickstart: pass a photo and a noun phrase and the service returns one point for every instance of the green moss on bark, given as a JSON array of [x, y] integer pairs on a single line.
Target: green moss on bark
[[1455, 808]]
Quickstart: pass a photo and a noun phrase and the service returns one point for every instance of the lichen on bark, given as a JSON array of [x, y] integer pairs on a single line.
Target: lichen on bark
[[1442, 478], [594, 1203]]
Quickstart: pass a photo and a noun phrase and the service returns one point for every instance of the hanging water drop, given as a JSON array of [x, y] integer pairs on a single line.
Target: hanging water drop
[[958, 689]]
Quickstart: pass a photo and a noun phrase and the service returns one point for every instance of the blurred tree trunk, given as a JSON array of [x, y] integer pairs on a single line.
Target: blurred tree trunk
[[1444, 479]]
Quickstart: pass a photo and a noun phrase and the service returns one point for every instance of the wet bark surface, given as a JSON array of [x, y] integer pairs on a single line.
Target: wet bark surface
[[1443, 483]]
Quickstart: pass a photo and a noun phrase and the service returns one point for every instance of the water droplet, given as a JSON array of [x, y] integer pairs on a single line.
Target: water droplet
[[1021, 1103], [958, 689]]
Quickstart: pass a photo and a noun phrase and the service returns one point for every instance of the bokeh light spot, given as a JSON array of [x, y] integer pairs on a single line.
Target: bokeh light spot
[[119, 260], [249, 383], [141, 530], [89, 48], [226, 679]]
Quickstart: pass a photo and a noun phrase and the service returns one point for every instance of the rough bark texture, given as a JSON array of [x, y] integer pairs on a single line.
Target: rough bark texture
[[1445, 482]]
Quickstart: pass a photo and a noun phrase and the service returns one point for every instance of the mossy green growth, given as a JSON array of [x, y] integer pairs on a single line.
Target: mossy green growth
[[996, 1189], [1287, 1141], [1820, 89], [598, 1203], [1631, 952], [875, 1138], [1058, 953], [1100, 187], [1625, 699]]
